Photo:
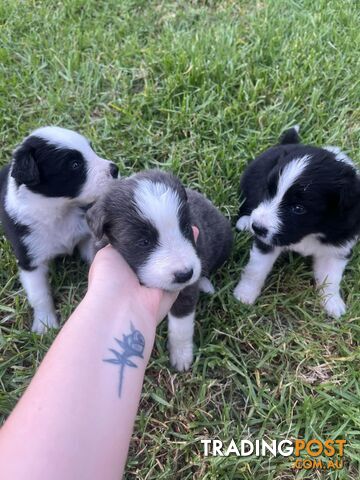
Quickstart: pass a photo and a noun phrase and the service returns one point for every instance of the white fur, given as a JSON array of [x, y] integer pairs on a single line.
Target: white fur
[[329, 264], [38, 292], [87, 248], [159, 204], [311, 245], [206, 286], [64, 138], [267, 213], [56, 224], [328, 271], [340, 155], [97, 167], [180, 340], [254, 275], [243, 224]]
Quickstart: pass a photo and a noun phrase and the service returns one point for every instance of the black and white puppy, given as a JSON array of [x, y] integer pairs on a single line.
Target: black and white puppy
[[148, 218], [304, 199], [53, 176]]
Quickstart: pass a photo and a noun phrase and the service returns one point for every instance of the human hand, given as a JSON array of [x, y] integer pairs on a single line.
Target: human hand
[[111, 278]]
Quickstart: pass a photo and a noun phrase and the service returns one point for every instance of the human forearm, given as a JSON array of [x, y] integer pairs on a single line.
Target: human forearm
[[74, 398]]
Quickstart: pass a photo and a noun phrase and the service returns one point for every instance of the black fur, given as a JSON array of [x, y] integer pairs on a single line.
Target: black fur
[[115, 216], [215, 237], [186, 301], [53, 176], [63, 176], [328, 190], [289, 136], [262, 246], [14, 231], [44, 169], [213, 246]]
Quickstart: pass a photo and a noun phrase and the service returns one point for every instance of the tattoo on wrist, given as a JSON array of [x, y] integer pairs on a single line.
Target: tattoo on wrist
[[133, 346]]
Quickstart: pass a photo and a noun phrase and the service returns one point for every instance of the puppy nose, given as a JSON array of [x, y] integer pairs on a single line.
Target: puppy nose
[[259, 230], [114, 171], [184, 276]]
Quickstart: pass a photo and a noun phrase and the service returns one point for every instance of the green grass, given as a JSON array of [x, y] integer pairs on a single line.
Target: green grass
[[199, 87]]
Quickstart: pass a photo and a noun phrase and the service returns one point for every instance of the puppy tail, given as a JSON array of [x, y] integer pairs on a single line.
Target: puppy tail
[[290, 136]]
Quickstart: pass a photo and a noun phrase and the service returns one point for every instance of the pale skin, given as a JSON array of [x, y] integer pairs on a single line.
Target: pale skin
[[71, 422]]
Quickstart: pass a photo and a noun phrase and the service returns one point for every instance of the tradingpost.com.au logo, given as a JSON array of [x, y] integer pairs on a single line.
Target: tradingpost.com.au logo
[[305, 453]]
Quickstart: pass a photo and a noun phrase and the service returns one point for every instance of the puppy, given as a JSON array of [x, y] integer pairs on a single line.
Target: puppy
[[53, 177], [304, 199], [148, 218]]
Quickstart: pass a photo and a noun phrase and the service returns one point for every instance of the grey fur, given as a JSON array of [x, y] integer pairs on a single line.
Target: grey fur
[[116, 217]]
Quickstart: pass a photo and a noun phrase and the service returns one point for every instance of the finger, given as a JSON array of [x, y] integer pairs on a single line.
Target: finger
[[108, 259], [99, 257]]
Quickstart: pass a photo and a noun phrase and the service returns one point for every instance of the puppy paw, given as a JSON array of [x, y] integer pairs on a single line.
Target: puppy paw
[[246, 292], [181, 357], [334, 306], [206, 286], [88, 250], [88, 256], [243, 224], [43, 322]]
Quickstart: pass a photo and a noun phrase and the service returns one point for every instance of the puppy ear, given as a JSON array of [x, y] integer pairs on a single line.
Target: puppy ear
[[95, 218], [24, 167], [347, 195], [350, 193], [290, 136]]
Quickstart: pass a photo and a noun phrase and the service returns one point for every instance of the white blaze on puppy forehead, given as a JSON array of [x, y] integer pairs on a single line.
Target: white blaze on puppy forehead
[[160, 204], [267, 213], [64, 138]]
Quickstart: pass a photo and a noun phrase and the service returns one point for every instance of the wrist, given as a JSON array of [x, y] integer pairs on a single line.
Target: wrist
[[118, 313]]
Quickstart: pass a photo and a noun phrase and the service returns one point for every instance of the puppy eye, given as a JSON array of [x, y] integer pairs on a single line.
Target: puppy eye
[[188, 229], [75, 165], [298, 209]]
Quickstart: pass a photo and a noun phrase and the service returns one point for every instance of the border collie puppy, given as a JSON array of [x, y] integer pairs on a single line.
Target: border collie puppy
[[148, 218], [54, 175], [304, 199]]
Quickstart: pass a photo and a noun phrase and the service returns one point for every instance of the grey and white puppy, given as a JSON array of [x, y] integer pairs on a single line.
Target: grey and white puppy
[[148, 218]]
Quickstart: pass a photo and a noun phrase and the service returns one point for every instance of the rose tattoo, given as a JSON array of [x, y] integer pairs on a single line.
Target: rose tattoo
[[133, 346]]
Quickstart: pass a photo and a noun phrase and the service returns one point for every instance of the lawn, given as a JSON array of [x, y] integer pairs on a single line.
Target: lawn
[[199, 88]]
